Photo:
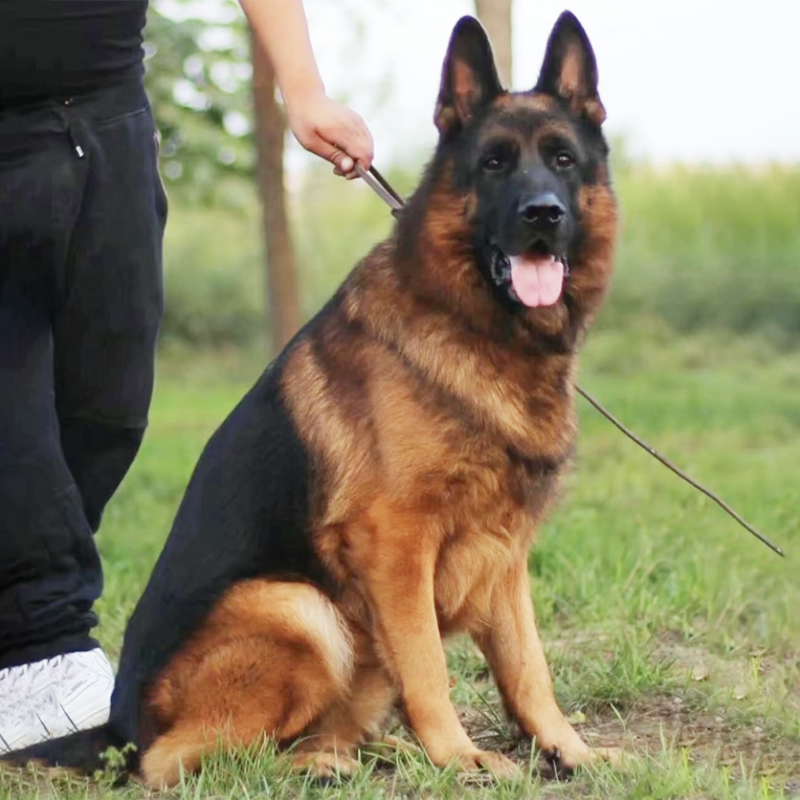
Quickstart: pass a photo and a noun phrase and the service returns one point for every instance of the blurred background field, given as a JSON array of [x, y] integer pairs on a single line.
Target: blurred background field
[[708, 181], [702, 248]]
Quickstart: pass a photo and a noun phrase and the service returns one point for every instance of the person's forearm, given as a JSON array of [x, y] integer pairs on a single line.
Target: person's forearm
[[280, 27], [323, 126]]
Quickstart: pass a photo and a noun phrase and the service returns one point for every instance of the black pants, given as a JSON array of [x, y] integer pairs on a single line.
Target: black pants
[[82, 213]]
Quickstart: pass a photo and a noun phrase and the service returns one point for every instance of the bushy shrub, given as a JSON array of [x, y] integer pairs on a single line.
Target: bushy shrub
[[213, 278], [710, 248]]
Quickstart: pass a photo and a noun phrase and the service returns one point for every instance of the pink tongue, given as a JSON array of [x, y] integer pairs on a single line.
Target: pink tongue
[[537, 280]]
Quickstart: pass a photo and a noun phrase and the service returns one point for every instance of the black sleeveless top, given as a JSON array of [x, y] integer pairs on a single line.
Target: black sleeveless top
[[59, 48]]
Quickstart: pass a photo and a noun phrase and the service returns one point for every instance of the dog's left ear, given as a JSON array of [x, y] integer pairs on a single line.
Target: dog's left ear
[[469, 77], [569, 70]]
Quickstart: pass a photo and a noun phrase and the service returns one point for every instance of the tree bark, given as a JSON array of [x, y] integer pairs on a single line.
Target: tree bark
[[496, 18], [283, 312]]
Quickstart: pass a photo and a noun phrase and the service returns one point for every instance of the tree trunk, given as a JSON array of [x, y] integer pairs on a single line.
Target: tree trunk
[[496, 18], [281, 272]]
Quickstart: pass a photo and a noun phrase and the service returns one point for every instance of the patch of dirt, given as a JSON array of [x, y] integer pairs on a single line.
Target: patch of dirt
[[650, 726], [724, 732]]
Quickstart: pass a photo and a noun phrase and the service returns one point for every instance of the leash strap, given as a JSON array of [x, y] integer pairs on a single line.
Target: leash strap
[[381, 187]]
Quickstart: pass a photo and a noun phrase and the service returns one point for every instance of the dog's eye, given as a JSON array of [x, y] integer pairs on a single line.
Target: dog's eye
[[492, 162], [565, 160], [497, 158]]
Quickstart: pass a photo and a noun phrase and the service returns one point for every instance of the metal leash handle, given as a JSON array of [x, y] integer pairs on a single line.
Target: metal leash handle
[[381, 187]]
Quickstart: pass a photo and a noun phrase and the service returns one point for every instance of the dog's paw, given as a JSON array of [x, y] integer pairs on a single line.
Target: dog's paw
[[565, 761], [613, 755], [325, 766], [495, 763]]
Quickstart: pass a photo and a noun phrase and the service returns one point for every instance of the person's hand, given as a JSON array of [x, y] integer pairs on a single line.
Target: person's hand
[[331, 131]]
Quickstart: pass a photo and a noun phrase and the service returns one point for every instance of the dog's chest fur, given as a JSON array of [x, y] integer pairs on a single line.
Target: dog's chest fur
[[413, 445], [482, 482]]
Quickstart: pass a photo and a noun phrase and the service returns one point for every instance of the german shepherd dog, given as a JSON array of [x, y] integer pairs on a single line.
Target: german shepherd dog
[[381, 485]]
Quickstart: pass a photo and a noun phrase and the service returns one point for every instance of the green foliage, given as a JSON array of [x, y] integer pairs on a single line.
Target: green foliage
[[705, 247], [198, 79], [213, 278]]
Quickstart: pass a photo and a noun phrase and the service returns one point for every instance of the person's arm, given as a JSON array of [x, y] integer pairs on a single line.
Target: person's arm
[[323, 126]]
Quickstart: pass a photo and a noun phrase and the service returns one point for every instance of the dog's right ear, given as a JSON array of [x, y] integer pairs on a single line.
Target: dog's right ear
[[469, 77], [569, 70]]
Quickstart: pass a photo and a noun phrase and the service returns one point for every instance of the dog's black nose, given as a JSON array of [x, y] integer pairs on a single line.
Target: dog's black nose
[[544, 210]]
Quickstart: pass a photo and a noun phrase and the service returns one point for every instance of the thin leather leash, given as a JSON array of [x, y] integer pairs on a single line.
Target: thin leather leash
[[381, 187]]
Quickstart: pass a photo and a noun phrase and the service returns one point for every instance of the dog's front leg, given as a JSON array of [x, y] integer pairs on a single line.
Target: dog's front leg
[[514, 652], [398, 572]]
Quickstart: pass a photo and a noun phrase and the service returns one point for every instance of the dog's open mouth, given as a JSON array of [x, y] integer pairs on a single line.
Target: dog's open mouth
[[535, 278]]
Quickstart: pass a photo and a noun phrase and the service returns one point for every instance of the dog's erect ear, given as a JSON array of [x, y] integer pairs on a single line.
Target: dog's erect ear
[[570, 70], [469, 77]]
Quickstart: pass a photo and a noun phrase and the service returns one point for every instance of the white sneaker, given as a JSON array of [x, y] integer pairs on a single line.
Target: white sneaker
[[53, 698]]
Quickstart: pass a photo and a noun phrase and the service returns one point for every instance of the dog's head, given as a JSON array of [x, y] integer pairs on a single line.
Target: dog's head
[[531, 168]]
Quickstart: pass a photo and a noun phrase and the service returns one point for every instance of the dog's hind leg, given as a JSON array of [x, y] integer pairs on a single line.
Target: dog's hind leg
[[271, 658], [328, 745]]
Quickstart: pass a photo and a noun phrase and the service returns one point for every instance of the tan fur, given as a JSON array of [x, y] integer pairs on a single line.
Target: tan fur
[[528, 102], [268, 660], [548, 129]]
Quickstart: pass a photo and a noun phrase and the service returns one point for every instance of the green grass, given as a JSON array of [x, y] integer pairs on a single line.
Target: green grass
[[669, 629]]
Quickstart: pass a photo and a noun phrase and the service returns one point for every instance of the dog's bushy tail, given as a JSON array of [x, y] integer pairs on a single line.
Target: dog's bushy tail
[[85, 752]]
